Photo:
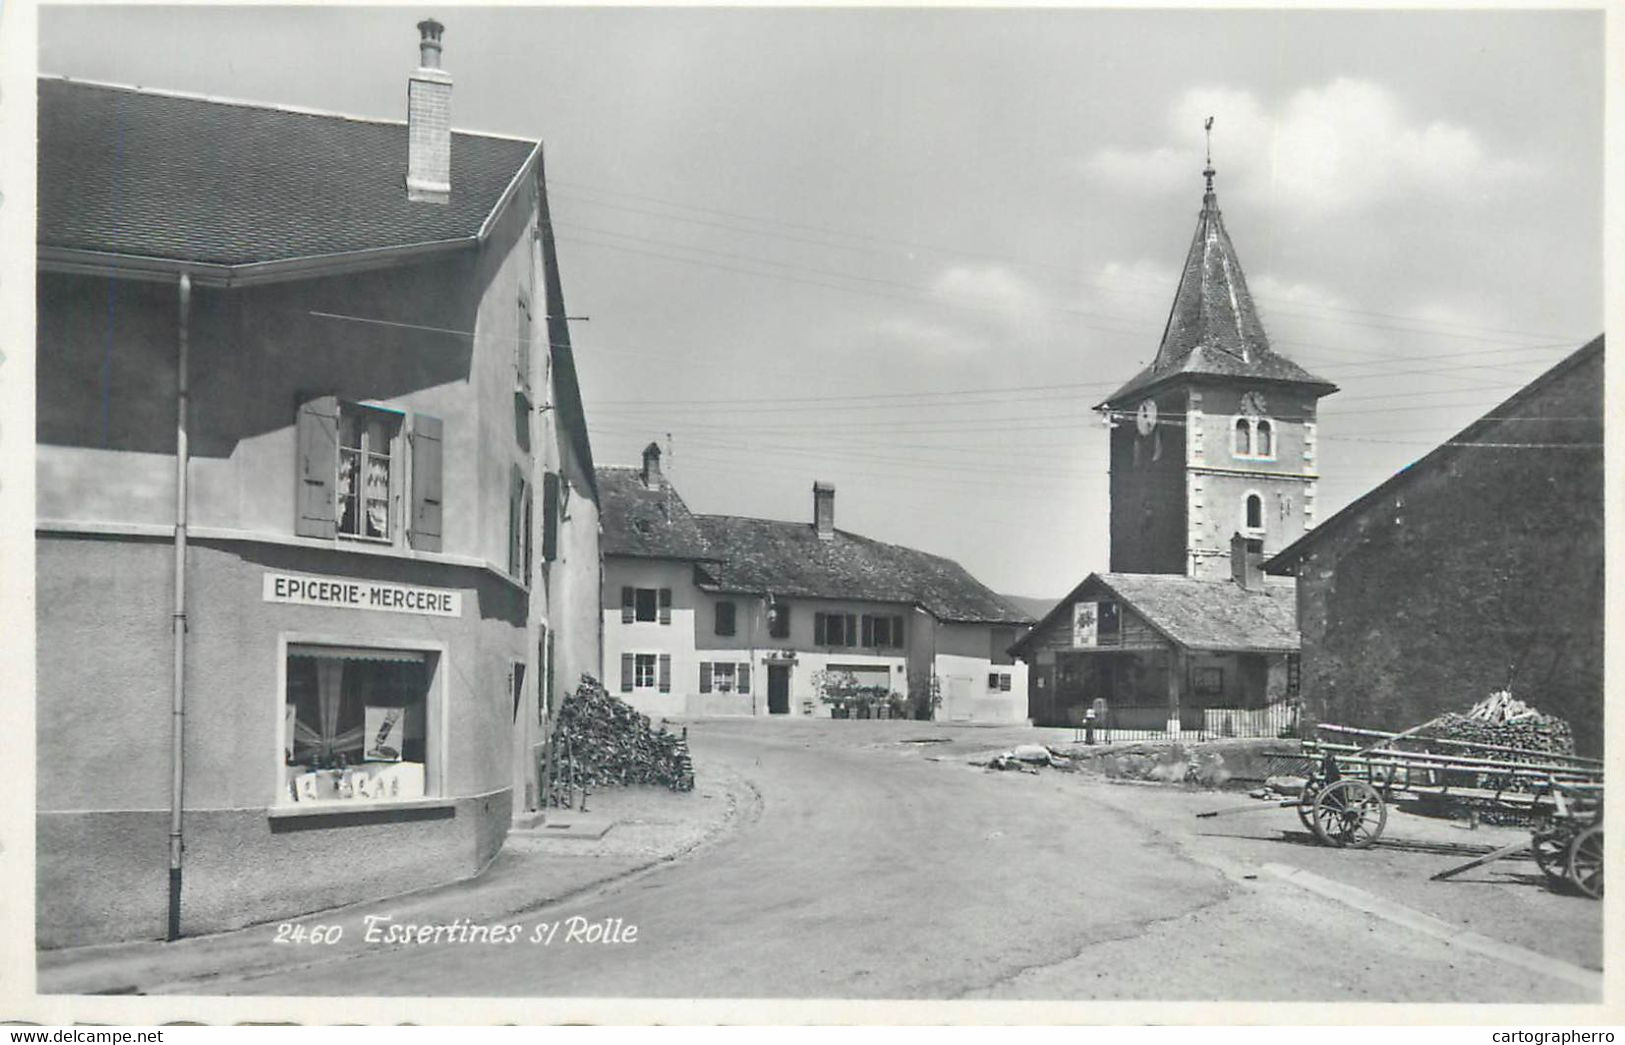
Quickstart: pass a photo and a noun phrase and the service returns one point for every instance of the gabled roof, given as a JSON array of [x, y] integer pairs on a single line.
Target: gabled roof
[[644, 521], [1204, 615], [772, 557], [1516, 405], [1213, 329], [134, 173]]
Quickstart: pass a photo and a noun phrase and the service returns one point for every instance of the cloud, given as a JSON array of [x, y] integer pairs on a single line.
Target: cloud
[[989, 286], [1341, 148]]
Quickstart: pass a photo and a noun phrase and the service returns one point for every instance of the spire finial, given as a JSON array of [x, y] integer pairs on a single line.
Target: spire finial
[[1207, 171]]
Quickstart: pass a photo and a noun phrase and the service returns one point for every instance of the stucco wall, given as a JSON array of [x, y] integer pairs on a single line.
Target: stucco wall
[[1482, 569]]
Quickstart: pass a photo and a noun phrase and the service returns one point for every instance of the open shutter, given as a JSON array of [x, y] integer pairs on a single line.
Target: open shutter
[[526, 528], [820, 629], [522, 352], [424, 533], [744, 677], [665, 673], [627, 666], [629, 605], [705, 676], [665, 605], [318, 465], [550, 516], [868, 631], [516, 500], [897, 632]]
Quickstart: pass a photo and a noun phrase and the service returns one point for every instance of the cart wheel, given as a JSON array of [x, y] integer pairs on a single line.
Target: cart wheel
[[1585, 862], [1349, 814], [1551, 851]]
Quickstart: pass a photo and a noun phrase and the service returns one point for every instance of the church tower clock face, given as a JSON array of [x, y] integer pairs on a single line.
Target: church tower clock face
[[1252, 404], [1145, 418]]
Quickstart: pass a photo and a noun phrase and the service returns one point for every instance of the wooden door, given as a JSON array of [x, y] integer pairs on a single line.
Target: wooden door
[[778, 689]]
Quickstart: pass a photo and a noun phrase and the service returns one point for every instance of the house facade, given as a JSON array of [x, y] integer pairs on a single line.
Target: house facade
[[726, 615], [317, 514], [1476, 569]]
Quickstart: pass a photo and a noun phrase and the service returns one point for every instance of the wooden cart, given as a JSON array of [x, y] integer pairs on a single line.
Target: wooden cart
[[1352, 776]]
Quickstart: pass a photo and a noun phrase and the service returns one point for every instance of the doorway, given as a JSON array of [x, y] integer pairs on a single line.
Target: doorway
[[778, 689]]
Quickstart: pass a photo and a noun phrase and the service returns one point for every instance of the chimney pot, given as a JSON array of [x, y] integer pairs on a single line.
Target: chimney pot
[[824, 510], [428, 121], [651, 465], [1247, 562]]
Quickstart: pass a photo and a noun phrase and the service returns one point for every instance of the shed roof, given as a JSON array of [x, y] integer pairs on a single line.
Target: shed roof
[[136, 172], [1204, 615]]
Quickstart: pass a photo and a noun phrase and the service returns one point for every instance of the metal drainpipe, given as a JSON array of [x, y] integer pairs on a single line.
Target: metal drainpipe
[[178, 619]]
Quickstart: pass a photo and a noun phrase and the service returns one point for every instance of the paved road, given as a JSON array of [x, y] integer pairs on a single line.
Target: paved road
[[865, 869]]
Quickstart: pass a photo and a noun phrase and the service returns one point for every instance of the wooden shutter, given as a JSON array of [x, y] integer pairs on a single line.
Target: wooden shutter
[[526, 528], [318, 464], [744, 678], [665, 673], [868, 631], [705, 676], [665, 605], [516, 500], [897, 632], [851, 635], [424, 531], [522, 351], [629, 605], [820, 629], [628, 665], [550, 516]]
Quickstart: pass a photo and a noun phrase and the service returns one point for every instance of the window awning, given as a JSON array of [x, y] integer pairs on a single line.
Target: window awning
[[358, 653]]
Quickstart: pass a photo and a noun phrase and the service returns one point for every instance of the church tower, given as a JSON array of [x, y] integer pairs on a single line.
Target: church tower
[[1217, 436]]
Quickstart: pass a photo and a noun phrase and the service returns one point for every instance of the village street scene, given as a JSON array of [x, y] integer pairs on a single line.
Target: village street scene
[[699, 504]]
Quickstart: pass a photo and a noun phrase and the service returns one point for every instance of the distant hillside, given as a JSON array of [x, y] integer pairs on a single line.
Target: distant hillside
[[1035, 606]]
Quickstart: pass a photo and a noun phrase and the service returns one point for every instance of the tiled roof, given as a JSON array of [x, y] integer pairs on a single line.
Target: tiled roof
[[645, 521], [1213, 615], [787, 558], [1213, 328], [137, 172]]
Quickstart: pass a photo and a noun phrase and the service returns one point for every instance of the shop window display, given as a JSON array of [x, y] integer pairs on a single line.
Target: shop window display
[[356, 724]]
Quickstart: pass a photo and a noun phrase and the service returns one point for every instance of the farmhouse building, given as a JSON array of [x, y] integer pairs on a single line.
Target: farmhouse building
[[726, 615], [317, 516], [1478, 568]]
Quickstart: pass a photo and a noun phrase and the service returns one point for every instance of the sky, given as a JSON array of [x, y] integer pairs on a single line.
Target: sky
[[906, 251]]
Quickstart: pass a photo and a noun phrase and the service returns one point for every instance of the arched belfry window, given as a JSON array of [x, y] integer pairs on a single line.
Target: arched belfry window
[[1266, 439], [1244, 438], [1254, 439], [1254, 512]]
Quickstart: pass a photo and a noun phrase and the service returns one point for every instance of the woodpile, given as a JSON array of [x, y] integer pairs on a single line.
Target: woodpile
[[600, 741], [1501, 719]]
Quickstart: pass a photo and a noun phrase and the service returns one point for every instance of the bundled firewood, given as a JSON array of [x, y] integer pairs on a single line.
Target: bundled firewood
[[1502, 720], [600, 741]]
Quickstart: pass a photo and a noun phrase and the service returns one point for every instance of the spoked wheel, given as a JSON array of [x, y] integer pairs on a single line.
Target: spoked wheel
[[1585, 862], [1349, 814], [1551, 852], [1306, 808]]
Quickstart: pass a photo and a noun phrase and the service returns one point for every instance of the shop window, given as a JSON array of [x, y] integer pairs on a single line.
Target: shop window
[[725, 618], [835, 629], [778, 620], [356, 724]]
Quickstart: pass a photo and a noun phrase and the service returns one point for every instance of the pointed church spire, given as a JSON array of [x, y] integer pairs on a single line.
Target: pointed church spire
[[1213, 327]]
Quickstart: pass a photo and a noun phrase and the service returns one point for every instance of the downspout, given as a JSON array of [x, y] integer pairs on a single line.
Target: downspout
[[178, 619]]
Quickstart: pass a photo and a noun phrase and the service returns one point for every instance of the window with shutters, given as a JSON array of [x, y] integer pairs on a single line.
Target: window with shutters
[[778, 620], [835, 629], [647, 603], [552, 512], [643, 671], [883, 632], [725, 618], [352, 473], [519, 525], [722, 677], [522, 345]]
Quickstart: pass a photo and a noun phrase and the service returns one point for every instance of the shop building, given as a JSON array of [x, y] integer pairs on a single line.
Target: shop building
[[1478, 568], [727, 615], [317, 517]]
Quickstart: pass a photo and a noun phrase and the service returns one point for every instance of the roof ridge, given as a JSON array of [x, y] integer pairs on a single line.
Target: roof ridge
[[246, 103]]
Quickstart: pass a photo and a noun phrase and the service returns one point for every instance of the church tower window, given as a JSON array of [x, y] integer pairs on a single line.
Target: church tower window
[[1244, 438], [1255, 513]]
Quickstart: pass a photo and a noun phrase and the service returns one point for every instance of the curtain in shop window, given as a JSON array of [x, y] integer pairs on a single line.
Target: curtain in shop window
[[324, 735]]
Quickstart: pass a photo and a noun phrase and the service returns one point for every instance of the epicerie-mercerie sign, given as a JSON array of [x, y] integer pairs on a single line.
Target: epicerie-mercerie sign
[[350, 594]]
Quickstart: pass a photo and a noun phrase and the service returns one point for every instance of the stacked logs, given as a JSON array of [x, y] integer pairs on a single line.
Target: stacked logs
[[600, 741], [1500, 719]]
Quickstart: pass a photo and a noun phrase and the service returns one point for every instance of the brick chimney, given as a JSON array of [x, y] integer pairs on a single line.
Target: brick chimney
[[428, 121], [651, 465], [824, 510], [1247, 562]]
